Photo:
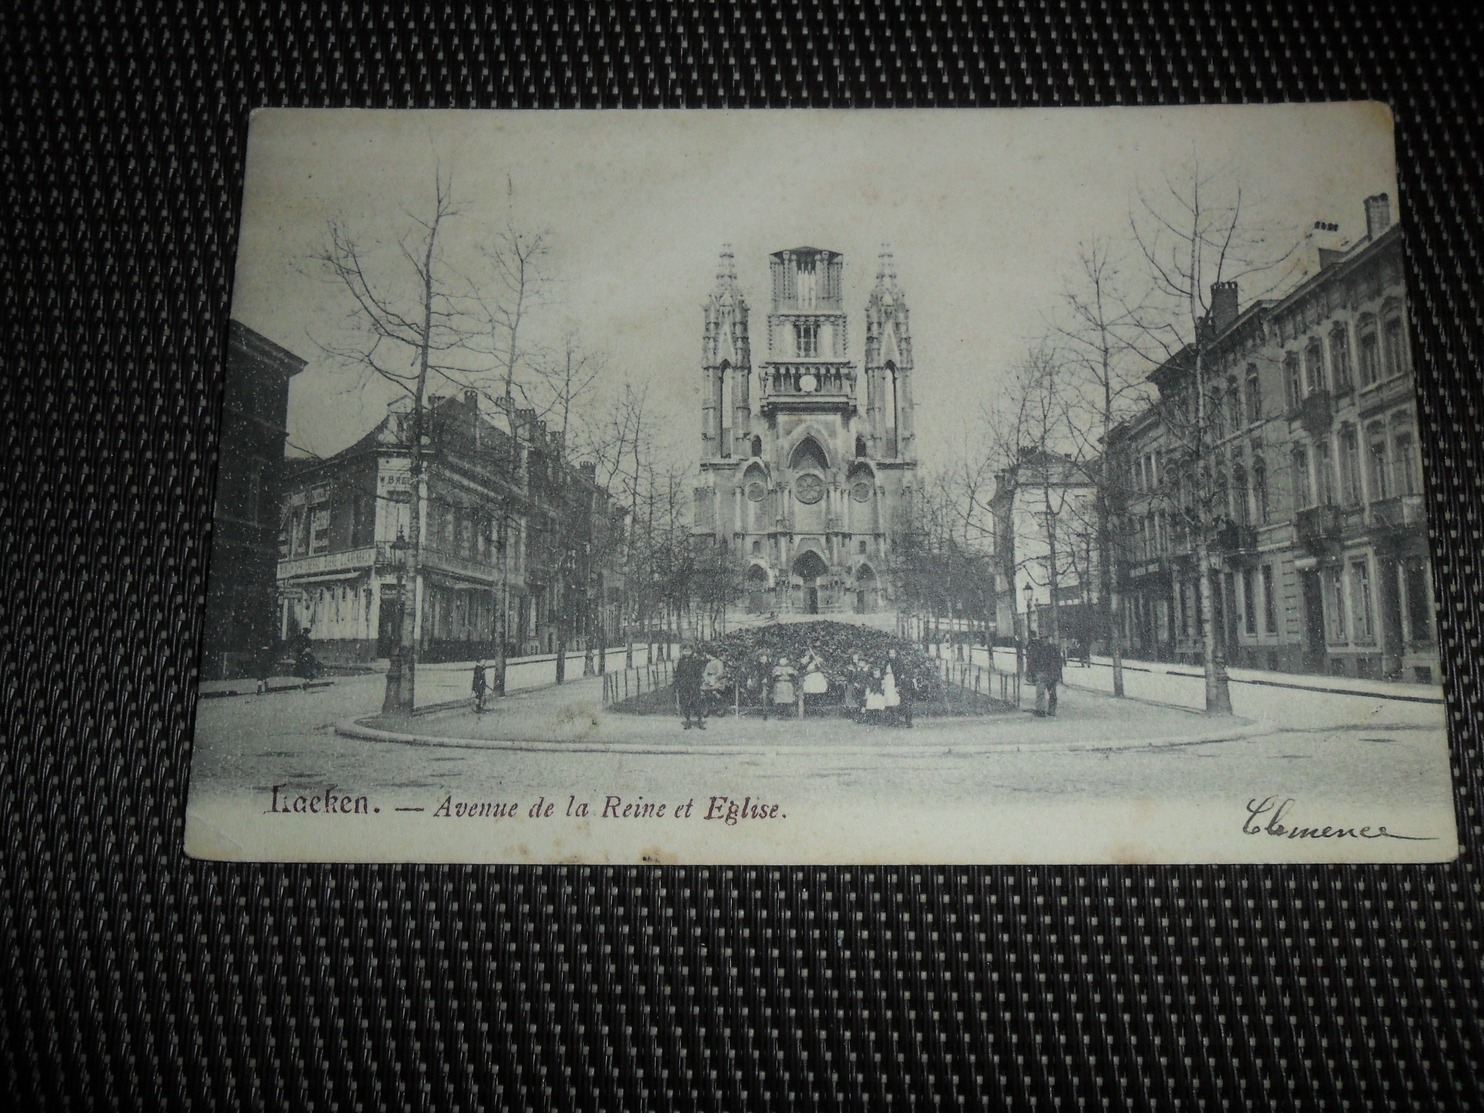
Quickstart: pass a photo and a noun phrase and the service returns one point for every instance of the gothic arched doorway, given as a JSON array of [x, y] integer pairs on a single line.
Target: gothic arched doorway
[[757, 589], [867, 593], [809, 568]]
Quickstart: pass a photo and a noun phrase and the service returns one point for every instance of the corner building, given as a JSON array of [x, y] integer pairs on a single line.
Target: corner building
[[807, 461]]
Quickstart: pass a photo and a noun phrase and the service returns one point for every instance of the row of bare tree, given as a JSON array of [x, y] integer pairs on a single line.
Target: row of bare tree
[[438, 302], [1134, 333]]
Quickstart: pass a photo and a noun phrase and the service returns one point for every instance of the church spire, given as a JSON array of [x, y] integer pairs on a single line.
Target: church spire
[[726, 367], [888, 365]]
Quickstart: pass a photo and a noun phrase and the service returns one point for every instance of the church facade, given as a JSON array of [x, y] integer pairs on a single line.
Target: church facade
[[807, 461]]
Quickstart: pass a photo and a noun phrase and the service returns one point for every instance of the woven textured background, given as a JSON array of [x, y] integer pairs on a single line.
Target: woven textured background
[[132, 977]]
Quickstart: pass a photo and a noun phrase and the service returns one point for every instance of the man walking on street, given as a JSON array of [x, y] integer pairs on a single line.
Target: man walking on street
[[1044, 662], [689, 669], [479, 686]]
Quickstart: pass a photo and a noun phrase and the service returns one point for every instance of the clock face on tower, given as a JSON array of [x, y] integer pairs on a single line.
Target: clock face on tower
[[810, 488]]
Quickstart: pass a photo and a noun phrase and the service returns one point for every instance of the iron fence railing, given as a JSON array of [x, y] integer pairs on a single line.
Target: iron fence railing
[[980, 679], [631, 682]]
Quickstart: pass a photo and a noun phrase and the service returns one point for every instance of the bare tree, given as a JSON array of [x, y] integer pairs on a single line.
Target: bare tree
[[1031, 450], [1100, 320], [518, 260], [404, 324], [1197, 241]]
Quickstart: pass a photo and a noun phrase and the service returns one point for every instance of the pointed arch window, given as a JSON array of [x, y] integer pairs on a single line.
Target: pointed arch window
[[809, 454]]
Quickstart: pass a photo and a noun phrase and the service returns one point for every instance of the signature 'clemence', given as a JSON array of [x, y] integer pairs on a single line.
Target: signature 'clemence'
[[1267, 816]]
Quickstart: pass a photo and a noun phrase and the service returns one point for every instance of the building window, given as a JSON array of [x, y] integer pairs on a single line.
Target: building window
[[1396, 347], [1241, 509], [1350, 491], [1360, 600], [1314, 367], [1300, 479], [1324, 477], [1339, 357], [1254, 395], [1370, 354], [1269, 602], [1419, 600], [757, 546], [1260, 489], [1234, 403], [1404, 462], [1249, 603], [1292, 379], [319, 529], [861, 547], [1380, 475], [1335, 602], [806, 339]]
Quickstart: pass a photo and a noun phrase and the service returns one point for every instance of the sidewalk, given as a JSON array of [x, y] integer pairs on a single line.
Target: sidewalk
[[571, 718], [1246, 676], [277, 684], [1326, 684], [442, 684]]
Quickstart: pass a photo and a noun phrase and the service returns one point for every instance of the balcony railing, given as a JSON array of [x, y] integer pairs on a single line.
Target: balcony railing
[[1236, 539], [808, 381], [1315, 412], [328, 562], [1398, 514], [1317, 528], [451, 562]]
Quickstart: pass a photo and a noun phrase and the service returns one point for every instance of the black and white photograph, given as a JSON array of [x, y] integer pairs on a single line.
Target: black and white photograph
[[821, 487]]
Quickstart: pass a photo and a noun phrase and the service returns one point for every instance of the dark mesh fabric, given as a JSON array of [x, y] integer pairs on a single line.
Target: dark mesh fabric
[[132, 977]]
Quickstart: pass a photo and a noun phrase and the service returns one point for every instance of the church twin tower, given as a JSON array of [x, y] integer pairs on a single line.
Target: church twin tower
[[807, 467]]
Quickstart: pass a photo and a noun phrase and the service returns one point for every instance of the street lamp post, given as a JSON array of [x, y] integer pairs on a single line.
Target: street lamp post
[[1030, 600], [392, 702]]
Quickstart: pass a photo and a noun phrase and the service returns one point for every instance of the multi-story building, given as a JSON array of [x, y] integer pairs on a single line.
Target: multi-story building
[[1319, 523], [241, 603], [807, 489], [1044, 509], [512, 539]]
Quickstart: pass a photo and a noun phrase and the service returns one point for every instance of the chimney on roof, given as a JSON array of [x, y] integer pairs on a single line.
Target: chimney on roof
[[1223, 304], [589, 471], [1322, 245], [433, 402], [1377, 215], [471, 398]]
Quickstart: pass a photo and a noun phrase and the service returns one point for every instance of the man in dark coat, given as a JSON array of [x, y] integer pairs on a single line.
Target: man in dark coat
[[1043, 661], [689, 670], [479, 686]]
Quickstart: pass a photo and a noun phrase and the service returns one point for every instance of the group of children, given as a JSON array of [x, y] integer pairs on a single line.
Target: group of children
[[879, 692]]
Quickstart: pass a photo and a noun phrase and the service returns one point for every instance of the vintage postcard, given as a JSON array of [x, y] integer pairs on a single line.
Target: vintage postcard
[[822, 487]]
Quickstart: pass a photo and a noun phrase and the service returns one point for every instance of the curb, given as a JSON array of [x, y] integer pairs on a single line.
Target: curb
[[1238, 729], [1345, 691], [315, 684]]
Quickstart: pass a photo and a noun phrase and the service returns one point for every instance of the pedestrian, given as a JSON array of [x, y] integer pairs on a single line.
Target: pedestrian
[[1044, 662], [480, 686], [785, 693], [905, 677], [713, 682], [891, 692], [875, 704], [689, 669]]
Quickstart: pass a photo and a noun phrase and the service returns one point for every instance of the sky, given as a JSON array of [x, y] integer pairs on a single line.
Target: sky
[[984, 211]]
